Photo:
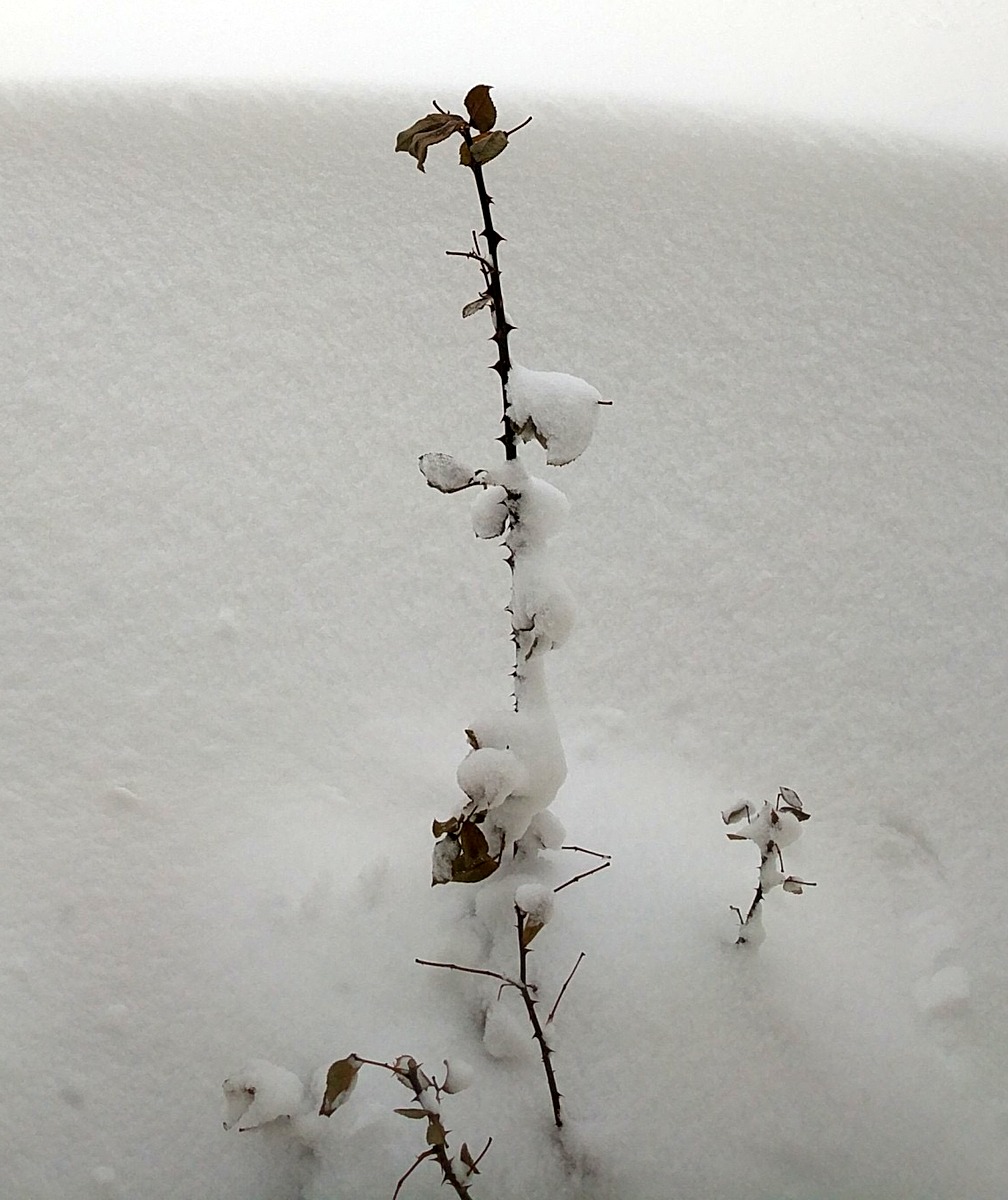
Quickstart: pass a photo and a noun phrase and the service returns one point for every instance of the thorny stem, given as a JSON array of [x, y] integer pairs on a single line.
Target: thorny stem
[[765, 853], [530, 1007], [501, 327], [439, 1150]]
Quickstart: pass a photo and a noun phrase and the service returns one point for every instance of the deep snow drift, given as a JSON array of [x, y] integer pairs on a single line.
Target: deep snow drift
[[242, 641]]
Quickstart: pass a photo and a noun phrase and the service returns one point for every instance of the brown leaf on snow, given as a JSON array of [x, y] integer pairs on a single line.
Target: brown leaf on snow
[[340, 1080]]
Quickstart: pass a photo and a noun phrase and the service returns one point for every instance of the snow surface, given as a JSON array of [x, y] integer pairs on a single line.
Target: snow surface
[[242, 640]]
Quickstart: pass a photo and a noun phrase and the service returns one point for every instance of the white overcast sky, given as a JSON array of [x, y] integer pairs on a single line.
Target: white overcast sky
[[931, 65]]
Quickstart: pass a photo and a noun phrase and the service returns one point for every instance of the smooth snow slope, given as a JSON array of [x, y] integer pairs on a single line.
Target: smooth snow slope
[[242, 640]]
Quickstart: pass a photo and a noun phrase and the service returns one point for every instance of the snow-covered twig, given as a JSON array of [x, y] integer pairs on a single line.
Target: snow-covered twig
[[777, 824], [427, 1092]]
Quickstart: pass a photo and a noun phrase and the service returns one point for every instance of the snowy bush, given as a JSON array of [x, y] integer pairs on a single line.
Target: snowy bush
[[515, 765]]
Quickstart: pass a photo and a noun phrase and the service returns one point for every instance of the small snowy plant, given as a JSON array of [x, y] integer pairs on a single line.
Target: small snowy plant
[[426, 1106], [262, 1095], [515, 764], [777, 824]]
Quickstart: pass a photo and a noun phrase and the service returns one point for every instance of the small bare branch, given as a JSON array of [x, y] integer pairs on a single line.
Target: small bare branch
[[479, 1157], [426, 1154], [582, 850], [556, 1003], [583, 875], [423, 962], [517, 127]]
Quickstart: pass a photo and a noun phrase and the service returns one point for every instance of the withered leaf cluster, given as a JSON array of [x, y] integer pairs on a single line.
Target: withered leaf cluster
[[436, 127], [468, 851]]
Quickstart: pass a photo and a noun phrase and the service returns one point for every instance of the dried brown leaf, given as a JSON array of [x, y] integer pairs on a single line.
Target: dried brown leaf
[[436, 1135], [487, 146], [427, 132], [340, 1080], [529, 930], [474, 862], [474, 844], [481, 110], [731, 815], [414, 1114], [474, 306]]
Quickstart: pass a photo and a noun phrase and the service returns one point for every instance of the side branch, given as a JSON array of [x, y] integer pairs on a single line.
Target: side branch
[[556, 1002], [423, 962], [583, 875]]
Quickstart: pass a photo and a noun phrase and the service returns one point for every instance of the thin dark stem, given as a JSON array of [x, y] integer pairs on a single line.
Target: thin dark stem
[[373, 1062], [537, 1029], [583, 875], [501, 327], [556, 1002], [423, 962], [582, 850], [517, 127], [479, 1158], [426, 1154]]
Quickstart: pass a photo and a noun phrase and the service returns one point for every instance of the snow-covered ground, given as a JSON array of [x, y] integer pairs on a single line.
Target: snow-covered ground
[[242, 641]]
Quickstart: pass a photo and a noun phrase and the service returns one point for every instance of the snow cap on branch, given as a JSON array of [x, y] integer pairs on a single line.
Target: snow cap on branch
[[560, 411], [488, 776]]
